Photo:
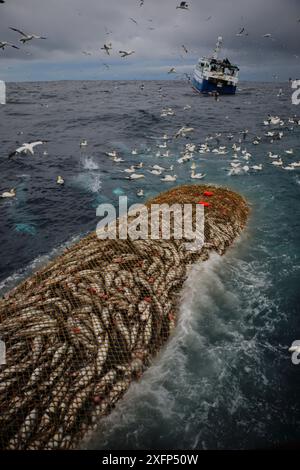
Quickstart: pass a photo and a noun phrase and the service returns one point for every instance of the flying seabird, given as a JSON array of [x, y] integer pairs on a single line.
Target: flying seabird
[[4, 44], [27, 37], [183, 131], [184, 48], [267, 35], [2, 1], [183, 6], [126, 53], [240, 33], [26, 148], [132, 19], [172, 70], [107, 48]]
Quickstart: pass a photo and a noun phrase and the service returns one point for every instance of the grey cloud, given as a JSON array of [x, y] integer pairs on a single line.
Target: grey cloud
[[73, 26]]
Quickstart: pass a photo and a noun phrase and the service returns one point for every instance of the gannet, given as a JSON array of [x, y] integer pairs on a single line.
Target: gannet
[[117, 159], [183, 6], [113, 153], [26, 148], [129, 170], [11, 193], [27, 37], [289, 152], [198, 176], [272, 155], [183, 131], [257, 167], [275, 120], [277, 162], [294, 349], [126, 53], [135, 176], [107, 47], [4, 44], [289, 167], [60, 180], [169, 178], [157, 167]]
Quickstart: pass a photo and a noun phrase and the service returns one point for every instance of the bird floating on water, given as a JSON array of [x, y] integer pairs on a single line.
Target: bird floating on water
[[169, 178], [27, 37], [83, 143], [135, 176], [7, 194], [277, 162], [130, 169], [117, 159], [140, 193], [60, 180]]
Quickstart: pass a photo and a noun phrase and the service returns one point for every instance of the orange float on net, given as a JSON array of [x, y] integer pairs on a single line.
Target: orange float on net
[[204, 203], [208, 193]]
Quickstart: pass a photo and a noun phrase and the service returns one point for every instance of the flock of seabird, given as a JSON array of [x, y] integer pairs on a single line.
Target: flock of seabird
[[240, 163]]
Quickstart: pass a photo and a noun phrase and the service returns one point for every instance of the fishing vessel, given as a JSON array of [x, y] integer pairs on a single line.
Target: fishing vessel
[[214, 75]]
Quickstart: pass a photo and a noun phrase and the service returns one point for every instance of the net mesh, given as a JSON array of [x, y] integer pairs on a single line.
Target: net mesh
[[80, 330]]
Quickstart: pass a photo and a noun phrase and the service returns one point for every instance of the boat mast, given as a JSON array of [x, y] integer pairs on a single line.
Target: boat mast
[[218, 47]]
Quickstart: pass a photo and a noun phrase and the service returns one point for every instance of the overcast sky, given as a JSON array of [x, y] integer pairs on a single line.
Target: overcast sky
[[74, 26]]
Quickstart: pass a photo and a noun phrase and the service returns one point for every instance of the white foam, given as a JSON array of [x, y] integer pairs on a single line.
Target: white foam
[[89, 164]]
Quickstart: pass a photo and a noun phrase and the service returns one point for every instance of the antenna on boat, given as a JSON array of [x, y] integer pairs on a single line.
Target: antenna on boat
[[218, 47]]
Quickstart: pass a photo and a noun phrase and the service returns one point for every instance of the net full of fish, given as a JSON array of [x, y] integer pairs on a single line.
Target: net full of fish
[[80, 330]]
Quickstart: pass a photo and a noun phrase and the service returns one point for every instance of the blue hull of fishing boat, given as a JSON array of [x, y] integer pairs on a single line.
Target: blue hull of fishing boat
[[206, 86]]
